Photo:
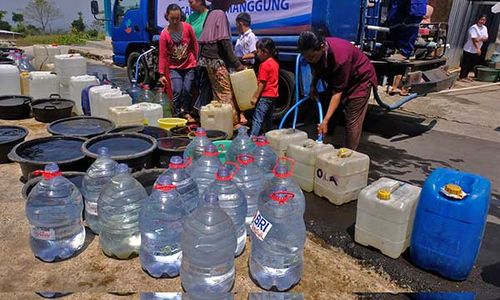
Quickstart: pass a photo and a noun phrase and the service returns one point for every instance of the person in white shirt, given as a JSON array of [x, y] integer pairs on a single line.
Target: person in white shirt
[[477, 35], [245, 47]]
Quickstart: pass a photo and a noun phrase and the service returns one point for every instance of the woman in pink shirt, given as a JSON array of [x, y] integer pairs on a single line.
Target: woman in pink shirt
[[178, 55]]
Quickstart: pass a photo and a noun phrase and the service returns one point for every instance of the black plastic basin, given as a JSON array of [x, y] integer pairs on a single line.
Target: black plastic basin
[[15, 107], [152, 131], [34, 154], [81, 126], [148, 177], [134, 149], [9, 137], [51, 109], [189, 132], [75, 177], [168, 147]]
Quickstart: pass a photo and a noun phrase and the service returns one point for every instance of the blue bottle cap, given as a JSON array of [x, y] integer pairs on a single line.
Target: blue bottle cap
[[52, 168], [211, 148], [165, 180], [122, 168], [242, 130], [200, 131], [103, 151], [211, 198], [176, 160], [223, 172]]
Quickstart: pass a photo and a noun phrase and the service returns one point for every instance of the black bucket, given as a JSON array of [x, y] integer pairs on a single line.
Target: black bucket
[[148, 177], [52, 109], [34, 154], [15, 107], [155, 132], [86, 127], [134, 149], [168, 147], [75, 177], [9, 137]]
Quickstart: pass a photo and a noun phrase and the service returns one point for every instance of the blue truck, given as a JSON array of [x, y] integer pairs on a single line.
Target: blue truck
[[136, 25]]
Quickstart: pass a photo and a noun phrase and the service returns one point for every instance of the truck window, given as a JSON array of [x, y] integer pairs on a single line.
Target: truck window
[[121, 7]]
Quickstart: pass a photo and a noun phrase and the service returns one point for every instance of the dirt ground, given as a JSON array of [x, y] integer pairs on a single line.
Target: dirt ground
[[329, 273]]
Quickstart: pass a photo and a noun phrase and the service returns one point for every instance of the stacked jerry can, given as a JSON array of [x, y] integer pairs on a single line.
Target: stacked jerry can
[[450, 222], [280, 139], [385, 215], [305, 155], [340, 175]]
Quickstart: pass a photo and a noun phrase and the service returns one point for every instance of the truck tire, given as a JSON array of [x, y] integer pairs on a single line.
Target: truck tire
[[286, 94], [143, 69]]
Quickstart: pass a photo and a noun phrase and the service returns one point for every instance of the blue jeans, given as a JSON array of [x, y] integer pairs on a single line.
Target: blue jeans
[[181, 88], [263, 115]]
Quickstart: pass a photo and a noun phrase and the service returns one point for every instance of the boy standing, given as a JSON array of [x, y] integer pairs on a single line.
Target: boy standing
[[245, 48]]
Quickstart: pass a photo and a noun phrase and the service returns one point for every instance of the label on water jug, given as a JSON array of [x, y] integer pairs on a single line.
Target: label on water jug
[[260, 226], [43, 234], [91, 208], [325, 177]]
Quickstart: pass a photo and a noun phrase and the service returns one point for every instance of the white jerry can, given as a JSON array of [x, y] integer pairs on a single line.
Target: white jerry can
[[10, 80], [76, 86], [126, 116], [94, 94], [244, 85], [43, 84], [280, 139], [217, 116], [68, 65], [111, 99], [152, 112]]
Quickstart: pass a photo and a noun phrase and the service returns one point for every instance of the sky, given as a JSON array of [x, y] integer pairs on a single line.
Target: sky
[[69, 10]]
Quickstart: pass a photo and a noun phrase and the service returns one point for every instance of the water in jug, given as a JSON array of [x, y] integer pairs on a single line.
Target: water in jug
[[244, 85], [208, 243], [205, 168], [185, 184], [264, 156], [385, 214], [97, 177], [160, 221], [118, 210], [134, 91], [164, 101], [242, 143], [305, 155], [54, 211], [341, 175], [280, 139], [450, 222], [278, 238], [196, 148], [232, 201], [217, 116], [146, 95]]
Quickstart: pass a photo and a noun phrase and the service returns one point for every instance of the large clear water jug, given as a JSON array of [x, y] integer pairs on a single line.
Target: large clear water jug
[[208, 244], [196, 148], [205, 168], [161, 219], [146, 95], [98, 175], [250, 180], [161, 296], [278, 235], [264, 156], [241, 144], [118, 210], [24, 64], [134, 91], [166, 104], [232, 201], [54, 210], [185, 184]]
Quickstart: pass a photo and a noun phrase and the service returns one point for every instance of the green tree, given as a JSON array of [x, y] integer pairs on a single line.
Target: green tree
[[4, 25], [41, 12], [19, 20], [78, 25]]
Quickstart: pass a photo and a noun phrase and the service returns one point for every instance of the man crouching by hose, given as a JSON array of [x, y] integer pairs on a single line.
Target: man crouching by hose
[[349, 76]]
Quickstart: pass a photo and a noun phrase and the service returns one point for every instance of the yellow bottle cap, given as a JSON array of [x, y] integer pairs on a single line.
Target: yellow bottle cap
[[453, 189], [384, 194], [344, 153]]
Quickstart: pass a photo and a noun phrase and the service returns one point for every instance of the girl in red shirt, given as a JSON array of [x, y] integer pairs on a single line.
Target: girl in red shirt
[[267, 91], [178, 55]]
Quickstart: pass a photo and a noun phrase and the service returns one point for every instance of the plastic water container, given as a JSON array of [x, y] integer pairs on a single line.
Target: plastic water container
[[98, 175], [105, 101], [125, 116], [450, 222], [264, 156], [43, 84], [341, 175], [95, 94], [196, 148], [275, 296], [25, 83], [385, 215], [44, 56], [244, 85], [54, 210], [250, 179], [118, 210], [242, 144], [185, 184], [280, 139], [10, 83], [134, 91], [161, 296], [160, 221], [233, 202], [205, 168], [279, 233], [208, 244], [68, 65], [152, 112], [76, 86], [217, 116], [305, 155]]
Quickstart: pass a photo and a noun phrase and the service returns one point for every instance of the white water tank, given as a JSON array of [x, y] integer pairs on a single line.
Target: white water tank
[[76, 86], [68, 65], [10, 80], [43, 84]]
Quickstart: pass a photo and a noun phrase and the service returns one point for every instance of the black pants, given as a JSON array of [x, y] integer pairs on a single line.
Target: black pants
[[469, 61]]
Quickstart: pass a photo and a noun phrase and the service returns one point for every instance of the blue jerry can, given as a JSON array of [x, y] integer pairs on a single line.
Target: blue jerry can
[[447, 232]]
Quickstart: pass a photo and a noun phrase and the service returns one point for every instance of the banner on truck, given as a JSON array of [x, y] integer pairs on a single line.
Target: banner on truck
[[268, 16]]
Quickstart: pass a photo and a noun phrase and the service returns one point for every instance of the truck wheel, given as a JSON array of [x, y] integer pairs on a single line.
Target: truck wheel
[[143, 76], [286, 94]]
